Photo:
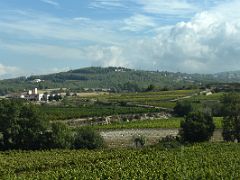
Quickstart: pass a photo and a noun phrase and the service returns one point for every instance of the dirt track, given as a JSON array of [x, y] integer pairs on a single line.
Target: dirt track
[[123, 138]]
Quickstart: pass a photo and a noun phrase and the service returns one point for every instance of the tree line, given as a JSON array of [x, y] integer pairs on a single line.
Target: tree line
[[23, 126]]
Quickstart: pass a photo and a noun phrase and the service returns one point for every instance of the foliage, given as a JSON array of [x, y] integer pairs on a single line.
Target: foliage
[[55, 98], [197, 127], [200, 161], [214, 106], [61, 113], [183, 108], [60, 137], [151, 87], [139, 141], [169, 142], [231, 120], [87, 138], [21, 125]]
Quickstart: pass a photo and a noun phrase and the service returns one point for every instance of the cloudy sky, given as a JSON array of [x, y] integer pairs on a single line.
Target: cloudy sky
[[44, 36]]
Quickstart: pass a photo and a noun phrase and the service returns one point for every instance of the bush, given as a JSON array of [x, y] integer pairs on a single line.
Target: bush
[[139, 141], [183, 108], [169, 142], [87, 138], [59, 137], [151, 87], [197, 127], [231, 117]]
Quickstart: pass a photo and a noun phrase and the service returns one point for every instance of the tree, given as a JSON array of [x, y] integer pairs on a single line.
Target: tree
[[231, 117], [87, 138], [151, 87], [197, 127], [60, 137], [21, 125], [183, 108]]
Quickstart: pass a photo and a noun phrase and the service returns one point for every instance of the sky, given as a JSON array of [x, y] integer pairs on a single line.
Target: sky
[[47, 36]]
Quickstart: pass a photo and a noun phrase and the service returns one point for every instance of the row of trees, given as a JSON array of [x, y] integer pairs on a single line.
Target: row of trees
[[198, 126], [22, 126]]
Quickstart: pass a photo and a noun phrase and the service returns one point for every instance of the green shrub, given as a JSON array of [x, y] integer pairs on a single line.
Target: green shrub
[[169, 142], [183, 108], [197, 127], [87, 138], [139, 141], [60, 137], [231, 117]]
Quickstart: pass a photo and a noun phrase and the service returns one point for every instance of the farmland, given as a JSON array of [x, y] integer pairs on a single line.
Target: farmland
[[159, 99], [200, 161], [62, 113], [120, 159], [148, 124], [114, 104]]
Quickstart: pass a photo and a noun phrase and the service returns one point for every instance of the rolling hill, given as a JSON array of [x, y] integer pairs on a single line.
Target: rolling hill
[[116, 79]]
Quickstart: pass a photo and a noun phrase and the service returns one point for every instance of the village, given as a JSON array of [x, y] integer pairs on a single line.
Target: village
[[35, 95]]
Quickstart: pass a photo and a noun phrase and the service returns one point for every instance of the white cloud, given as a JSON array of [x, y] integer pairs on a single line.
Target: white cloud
[[44, 50], [82, 19], [107, 4], [9, 71], [94, 55], [168, 7], [51, 2], [41, 26], [208, 42], [107, 56], [138, 22]]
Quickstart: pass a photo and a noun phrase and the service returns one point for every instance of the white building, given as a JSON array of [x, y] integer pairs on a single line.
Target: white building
[[37, 80]]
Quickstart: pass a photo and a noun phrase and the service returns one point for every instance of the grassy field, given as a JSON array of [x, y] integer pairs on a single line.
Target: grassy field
[[145, 124], [200, 161]]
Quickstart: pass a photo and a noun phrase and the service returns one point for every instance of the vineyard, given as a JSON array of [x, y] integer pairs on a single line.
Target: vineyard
[[157, 123], [62, 113], [159, 99], [120, 103], [200, 161]]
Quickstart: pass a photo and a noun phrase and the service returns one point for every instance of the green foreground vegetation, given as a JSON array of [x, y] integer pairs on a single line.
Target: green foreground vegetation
[[200, 161]]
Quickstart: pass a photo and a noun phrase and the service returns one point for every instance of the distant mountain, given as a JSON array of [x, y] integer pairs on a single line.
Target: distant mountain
[[116, 79], [231, 76]]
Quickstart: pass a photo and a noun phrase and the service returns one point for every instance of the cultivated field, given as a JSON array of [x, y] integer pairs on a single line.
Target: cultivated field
[[200, 161]]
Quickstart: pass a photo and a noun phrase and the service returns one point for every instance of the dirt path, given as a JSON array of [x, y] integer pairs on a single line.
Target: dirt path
[[181, 98], [124, 138]]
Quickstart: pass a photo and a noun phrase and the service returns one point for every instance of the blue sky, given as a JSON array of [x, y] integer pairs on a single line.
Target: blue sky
[[45, 36]]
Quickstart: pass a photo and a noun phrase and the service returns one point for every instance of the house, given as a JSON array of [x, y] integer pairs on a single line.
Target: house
[[37, 80], [206, 92]]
